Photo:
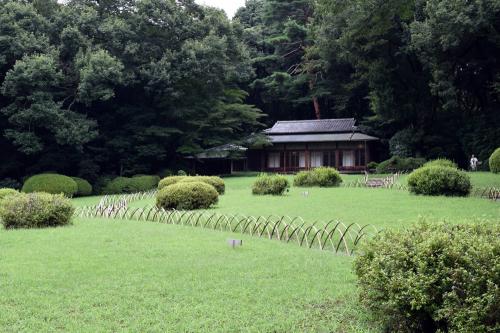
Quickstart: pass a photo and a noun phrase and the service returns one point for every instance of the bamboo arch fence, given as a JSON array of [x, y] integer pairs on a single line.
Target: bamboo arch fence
[[333, 236]]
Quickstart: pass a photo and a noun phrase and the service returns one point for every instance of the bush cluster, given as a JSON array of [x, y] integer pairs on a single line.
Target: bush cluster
[[187, 196], [51, 183], [216, 182], [433, 277], [494, 161], [36, 210], [399, 164], [323, 177], [442, 162], [438, 180], [84, 187], [372, 165], [270, 184], [123, 185]]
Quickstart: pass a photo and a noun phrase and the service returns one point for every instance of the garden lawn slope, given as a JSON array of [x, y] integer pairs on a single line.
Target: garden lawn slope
[[103, 275]]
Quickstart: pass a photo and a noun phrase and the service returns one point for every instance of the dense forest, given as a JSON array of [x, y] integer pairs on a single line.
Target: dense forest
[[123, 87]]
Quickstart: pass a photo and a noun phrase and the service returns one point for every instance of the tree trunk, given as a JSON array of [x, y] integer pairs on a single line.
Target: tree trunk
[[317, 109]]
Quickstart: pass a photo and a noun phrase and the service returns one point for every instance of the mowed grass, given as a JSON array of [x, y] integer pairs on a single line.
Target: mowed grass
[[113, 276], [382, 208]]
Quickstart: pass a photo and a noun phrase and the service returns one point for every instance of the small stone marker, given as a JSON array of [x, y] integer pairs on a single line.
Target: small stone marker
[[235, 242]]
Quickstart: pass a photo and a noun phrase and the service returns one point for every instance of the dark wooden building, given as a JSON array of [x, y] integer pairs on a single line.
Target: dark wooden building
[[305, 144], [294, 146]]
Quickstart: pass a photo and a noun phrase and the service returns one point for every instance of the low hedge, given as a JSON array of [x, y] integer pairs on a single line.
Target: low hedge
[[84, 187], [323, 177], [187, 196], [494, 161], [36, 210], [270, 184], [433, 278], [438, 180], [216, 182], [399, 164], [442, 162], [51, 183], [123, 185]]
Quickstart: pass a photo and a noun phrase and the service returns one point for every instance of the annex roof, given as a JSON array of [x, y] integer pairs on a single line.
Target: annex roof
[[313, 126]]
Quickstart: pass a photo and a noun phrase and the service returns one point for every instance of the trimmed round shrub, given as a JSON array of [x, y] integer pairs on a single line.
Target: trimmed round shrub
[[270, 184], [216, 182], [495, 161], [442, 162], [432, 278], [437, 180], [84, 187], [187, 196], [5, 192], [181, 173], [51, 183], [323, 177], [36, 210], [169, 181], [372, 165], [399, 164], [143, 183]]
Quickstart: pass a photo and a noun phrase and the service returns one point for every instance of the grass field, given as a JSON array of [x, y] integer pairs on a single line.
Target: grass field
[[110, 275], [99, 275]]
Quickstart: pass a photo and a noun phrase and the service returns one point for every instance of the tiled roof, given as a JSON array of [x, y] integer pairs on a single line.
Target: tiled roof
[[334, 137], [313, 126]]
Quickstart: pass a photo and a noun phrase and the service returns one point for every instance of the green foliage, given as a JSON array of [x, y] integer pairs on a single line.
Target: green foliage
[[120, 185], [400, 164], [441, 162], [323, 177], [216, 182], [433, 277], [10, 183], [36, 210], [51, 183], [187, 196], [270, 184], [84, 187], [6, 192], [181, 173], [169, 181], [372, 165], [439, 180], [495, 161]]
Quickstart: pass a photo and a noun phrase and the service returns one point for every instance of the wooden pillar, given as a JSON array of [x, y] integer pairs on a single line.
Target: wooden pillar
[[263, 160], [284, 158], [337, 159], [232, 167], [307, 158], [367, 156]]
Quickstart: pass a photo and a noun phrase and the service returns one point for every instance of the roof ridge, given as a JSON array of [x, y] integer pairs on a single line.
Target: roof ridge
[[311, 120]]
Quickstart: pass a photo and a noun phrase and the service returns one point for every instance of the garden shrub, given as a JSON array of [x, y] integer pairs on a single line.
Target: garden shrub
[[438, 180], [442, 162], [36, 210], [169, 181], [270, 184], [399, 164], [4, 192], [187, 196], [51, 183], [84, 187], [495, 161], [216, 182], [323, 177], [10, 183], [372, 165], [181, 173], [433, 278]]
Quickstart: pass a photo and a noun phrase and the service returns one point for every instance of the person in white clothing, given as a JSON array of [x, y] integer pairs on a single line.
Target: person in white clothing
[[473, 163]]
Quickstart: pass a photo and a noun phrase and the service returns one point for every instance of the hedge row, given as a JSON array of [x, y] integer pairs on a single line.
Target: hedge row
[[216, 182], [323, 177], [400, 164], [123, 185]]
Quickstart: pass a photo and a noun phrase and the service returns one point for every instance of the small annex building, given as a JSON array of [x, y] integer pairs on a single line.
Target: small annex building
[[297, 145]]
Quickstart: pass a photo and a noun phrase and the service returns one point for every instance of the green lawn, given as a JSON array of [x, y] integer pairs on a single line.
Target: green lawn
[[382, 208], [106, 276]]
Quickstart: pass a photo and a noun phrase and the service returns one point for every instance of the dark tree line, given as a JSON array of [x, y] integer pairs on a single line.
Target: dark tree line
[[424, 75], [94, 87]]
